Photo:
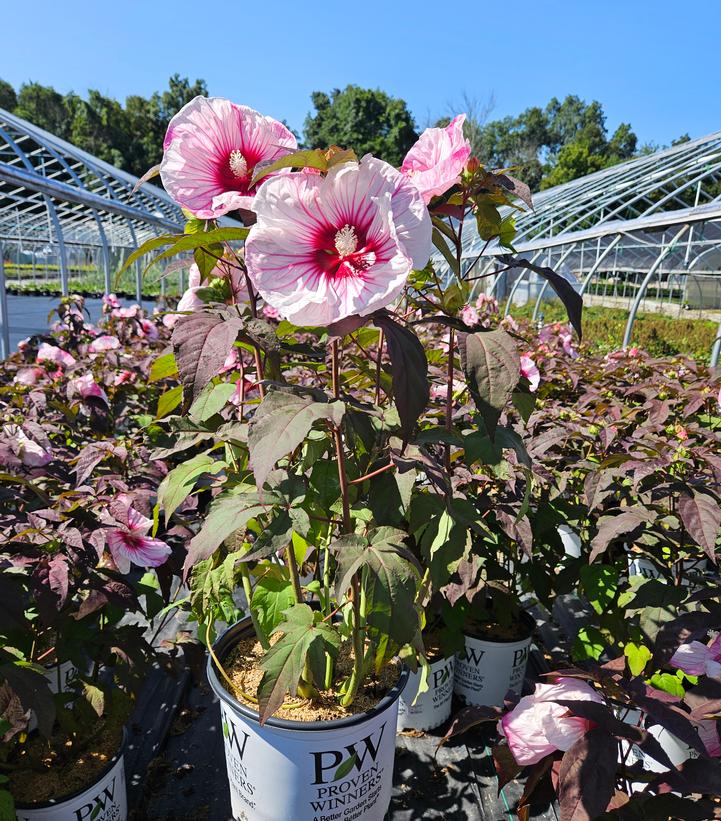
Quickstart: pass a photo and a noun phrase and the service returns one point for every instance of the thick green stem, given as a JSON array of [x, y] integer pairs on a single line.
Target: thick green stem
[[294, 574], [248, 590]]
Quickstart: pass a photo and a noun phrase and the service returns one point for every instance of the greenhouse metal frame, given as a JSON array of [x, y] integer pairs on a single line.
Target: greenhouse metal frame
[[68, 209], [644, 235]]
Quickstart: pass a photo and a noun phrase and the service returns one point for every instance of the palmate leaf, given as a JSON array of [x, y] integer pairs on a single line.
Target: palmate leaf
[[492, 366], [390, 578], [305, 637], [281, 422], [228, 513]]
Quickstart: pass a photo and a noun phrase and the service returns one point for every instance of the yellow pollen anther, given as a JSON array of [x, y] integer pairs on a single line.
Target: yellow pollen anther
[[237, 163], [346, 241]]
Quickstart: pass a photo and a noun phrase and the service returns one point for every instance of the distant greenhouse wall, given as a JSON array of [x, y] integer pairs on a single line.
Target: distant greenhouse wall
[[644, 235]]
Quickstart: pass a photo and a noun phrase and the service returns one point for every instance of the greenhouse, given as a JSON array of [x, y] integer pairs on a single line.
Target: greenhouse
[[644, 235], [65, 214]]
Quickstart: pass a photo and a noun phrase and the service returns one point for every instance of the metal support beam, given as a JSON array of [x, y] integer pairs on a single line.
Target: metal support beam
[[4, 318], [644, 285]]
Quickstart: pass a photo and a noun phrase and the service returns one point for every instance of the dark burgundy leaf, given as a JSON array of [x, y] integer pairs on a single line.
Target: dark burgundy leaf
[[409, 372], [505, 764], [202, 341], [33, 691], [701, 516], [569, 296], [627, 523], [587, 776]]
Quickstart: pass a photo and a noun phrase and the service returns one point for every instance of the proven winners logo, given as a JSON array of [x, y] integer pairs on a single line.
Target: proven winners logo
[[347, 782], [236, 742]]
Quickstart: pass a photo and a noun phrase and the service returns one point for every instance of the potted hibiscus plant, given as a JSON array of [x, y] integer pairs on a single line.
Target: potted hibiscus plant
[[331, 479]]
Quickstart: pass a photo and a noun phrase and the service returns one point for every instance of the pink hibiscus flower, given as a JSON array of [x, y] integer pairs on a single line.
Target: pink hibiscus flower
[[469, 315], [699, 659], [85, 386], [211, 151], [110, 301], [130, 312], [29, 376], [326, 248], [530, 370], [123, 377], [104, 343], [435, 162], [269, 312], [129, 543], [537, 725], [148, 329], [190, 301], [31, 453], [51, 353]]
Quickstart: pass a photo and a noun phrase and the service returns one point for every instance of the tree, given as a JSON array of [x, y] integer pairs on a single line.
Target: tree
[[8, 97], [44, 107], [366, 120]]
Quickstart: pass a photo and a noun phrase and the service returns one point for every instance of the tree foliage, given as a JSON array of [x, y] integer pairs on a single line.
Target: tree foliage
[[129, 136], [364, 119]]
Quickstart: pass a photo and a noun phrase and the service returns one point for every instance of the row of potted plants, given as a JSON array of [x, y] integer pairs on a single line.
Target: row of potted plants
[[367, 475]]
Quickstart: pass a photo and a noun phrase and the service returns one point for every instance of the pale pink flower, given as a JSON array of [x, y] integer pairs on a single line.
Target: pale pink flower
[[123, 377], [85, 386], [106, 342], [129, 543], [148, 329], [232, 361], [29, 376], [326, 248], [51, 353], [435, 162], [194, 278], [131, 312], [440, 391], [24, 344], [31, 453], [469, 315], [537, 725], [487, 303], [681, 433], [211, 152], [243, 388], [530, 370], [269, 312], [697, 659], [190, 301], [718, 399], [110, 301]]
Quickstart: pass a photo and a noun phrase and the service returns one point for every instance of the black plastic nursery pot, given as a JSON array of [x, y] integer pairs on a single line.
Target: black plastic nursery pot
[[486, 669], [341, 769], [104, 800]]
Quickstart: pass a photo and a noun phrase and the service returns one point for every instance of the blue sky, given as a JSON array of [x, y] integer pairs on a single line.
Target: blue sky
[[653, 63]]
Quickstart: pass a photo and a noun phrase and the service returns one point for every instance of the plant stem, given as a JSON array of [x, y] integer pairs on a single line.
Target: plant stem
[[294, 574], [248, 590], [449, 395], [381, 339]]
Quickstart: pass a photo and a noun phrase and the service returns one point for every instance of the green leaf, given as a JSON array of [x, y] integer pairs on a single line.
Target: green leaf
[[600, 583], [492, 365], [163, 368], [589, 644], [95, 697], [169, 401], [304, 635], [390, 578], [440, 242], [205, 239], [310, 158], [211, 399], [146, 247], [668, 683], [488, 220], [177, 485], [228, 512], [272, 596], [280, 424], [345, 767], [7, 806], [638, 656]]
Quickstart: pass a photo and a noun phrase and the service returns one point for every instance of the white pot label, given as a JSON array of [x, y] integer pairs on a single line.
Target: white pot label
[[640, 566], [61, 677], [570, 540], [487, 670], [341, 774], [106, 800], [432, 708]]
